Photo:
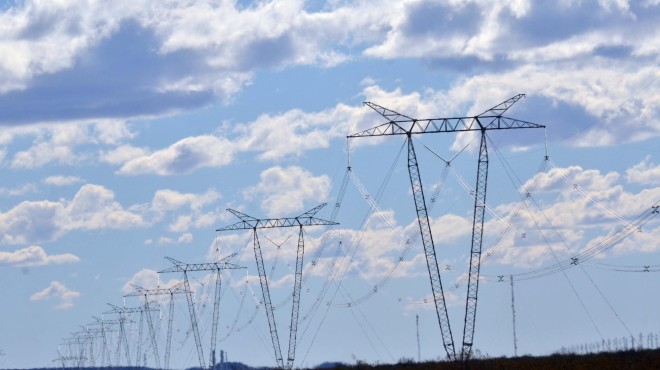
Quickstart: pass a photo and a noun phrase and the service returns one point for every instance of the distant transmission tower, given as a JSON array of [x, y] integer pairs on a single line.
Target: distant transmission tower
[[217, 267], [251, 223], [146, 293]]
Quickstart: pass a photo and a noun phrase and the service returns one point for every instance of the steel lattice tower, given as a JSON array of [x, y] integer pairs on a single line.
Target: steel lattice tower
[[251, 223], [399, 124]]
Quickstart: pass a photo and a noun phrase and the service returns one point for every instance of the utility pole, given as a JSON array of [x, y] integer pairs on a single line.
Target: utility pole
[[218, 266], [399, 124], [513, 314], [419, 350], [251, 223]]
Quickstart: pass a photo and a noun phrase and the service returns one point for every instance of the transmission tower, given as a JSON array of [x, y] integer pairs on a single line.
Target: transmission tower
[[77, 344], [122, 312], [176, 289], [399, 124], [249, 222], [218, 266], [105, 327]]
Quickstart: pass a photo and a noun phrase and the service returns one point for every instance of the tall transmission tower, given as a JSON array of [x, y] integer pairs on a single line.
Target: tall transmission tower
[[249, 222], [218, 266], [399, 124]]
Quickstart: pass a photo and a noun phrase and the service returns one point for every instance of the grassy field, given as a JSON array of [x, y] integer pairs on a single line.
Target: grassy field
[[642, 359]]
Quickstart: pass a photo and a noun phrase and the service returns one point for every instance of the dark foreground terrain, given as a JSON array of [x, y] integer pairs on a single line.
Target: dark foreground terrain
[[639, 359], [642, 359]]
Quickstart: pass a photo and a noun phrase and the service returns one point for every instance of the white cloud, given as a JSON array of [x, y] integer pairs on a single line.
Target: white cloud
[[43, 153], [622, 114], [18, 191], [92, 208], [59, 292], [65, 143], [184, 156], [571, 219], [123, 154], [294, 132], [227, 43], [645, 241], [145, 278], [46, 37], [644, 172], [286, 190], [185, 238], [224, 44], [34, 256], [60, 180], [167, 200], [561, 179]]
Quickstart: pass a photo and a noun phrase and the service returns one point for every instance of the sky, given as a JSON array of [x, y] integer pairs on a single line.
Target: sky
[[128, 128]]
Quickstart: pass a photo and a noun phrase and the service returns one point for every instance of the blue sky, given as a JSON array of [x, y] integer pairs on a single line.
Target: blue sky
[[128, 128]]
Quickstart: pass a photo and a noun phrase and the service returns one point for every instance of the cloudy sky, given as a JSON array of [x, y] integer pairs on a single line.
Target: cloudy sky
[[127, 128]]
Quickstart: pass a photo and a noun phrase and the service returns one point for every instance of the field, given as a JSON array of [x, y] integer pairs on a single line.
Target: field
[[643, 359]]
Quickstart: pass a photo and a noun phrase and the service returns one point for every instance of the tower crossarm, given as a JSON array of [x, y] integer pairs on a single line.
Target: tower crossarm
[[399, 124], [140, 291], [125, 310], [103, 321], [438, 125], [249, 222], [208, 266]]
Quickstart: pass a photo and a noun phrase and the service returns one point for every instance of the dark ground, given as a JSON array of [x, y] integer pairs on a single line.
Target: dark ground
[[642, 359]]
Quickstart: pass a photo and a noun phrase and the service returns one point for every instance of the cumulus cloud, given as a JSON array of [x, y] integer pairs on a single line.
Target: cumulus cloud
[[184, 56], [18, 191], [58, 292], [64, 143], [60, 180], [92, 208], [34, 256], [182, 157], [644, 172], [190, 209], [145, 278], [285, 190], [166, 200], [185, 238], [572, 209], [123, 154]]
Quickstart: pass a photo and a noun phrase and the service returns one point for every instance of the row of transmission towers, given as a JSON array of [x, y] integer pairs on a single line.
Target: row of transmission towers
[[80, 349], [108, 340]]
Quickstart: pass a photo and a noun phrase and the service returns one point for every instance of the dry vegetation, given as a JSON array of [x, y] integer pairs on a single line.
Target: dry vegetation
[[641, 359]]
